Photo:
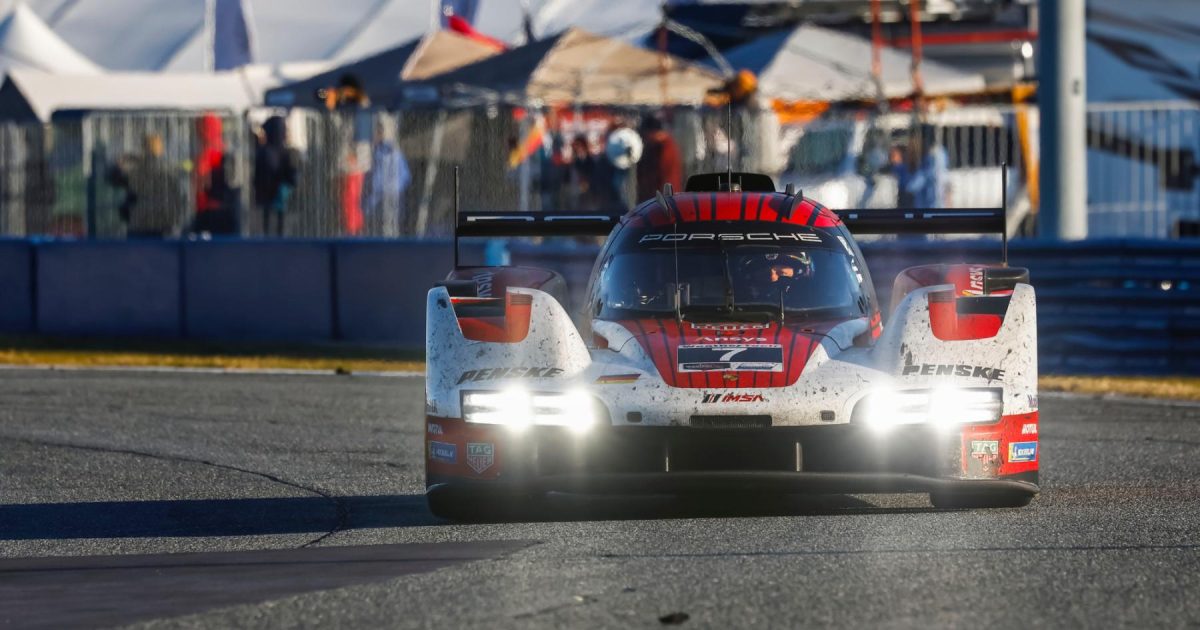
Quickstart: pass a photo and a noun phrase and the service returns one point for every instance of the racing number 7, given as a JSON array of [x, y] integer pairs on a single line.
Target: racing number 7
[[728, 356]]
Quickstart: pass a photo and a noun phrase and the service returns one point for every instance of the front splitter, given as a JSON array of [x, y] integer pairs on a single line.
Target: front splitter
[[692, 482]]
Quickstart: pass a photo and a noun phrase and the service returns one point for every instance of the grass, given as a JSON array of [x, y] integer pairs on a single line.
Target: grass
[[1169, 387], [345, 359]]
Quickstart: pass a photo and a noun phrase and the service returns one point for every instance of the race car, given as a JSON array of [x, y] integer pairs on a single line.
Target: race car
[[730, 341]]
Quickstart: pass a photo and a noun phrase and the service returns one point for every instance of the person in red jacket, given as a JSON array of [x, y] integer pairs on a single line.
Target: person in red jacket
[[661, 161], [210, 180]]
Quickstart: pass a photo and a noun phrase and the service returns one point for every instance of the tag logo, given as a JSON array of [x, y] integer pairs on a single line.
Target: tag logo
[[480, 456]]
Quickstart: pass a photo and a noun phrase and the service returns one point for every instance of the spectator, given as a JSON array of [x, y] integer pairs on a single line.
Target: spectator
[[274, 174], [901, 160], [928, 184], [354, 140], [387, 182], [623, 148], [581, 175], [661, 162], [215, 203], [152, 194]]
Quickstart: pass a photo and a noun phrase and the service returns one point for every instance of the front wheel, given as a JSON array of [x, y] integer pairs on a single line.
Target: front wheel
[[952, 500]]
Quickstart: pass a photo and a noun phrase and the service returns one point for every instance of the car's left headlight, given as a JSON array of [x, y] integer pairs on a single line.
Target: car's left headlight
[[944, 406], [518, 409]]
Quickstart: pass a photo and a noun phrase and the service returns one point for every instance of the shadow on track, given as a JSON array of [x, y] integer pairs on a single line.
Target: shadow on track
[[210, 517], [316, 515]]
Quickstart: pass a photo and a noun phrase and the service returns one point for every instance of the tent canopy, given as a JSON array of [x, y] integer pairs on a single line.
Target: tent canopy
[[811, 63], [169, 35], [380, 74], [29, 95], [27, 43], [576, 66]]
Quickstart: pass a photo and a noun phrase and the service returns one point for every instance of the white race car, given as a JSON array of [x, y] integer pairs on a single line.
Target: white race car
[[731, 342]]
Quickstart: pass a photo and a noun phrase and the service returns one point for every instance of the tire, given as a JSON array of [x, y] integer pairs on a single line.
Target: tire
[[978, 500]]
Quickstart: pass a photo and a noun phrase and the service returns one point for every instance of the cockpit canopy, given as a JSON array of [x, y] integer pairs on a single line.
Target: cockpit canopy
[[739, 273]]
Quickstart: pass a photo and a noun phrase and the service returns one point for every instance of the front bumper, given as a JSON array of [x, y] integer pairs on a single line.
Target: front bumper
[[834, 459]]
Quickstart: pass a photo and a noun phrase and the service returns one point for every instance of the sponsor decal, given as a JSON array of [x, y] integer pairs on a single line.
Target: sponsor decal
[[480, 456], [1022, 452], [443, 452], [671, 237], [985, 448], [730, 327], [733, 398], [1033, 401], [495, 374], [733, 358], [483, 283], [617, 379], [974, 281], [1029, 429], [435, 429], [732, 339], [944, 369]]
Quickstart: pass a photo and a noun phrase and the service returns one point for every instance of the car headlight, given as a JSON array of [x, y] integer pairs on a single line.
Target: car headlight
[[518, 409], [942, 406]]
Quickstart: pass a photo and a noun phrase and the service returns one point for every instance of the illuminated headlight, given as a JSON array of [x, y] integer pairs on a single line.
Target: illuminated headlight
[[942, 406], [518, 409]]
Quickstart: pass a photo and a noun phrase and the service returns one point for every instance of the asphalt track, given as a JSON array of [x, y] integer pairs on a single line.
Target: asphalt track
[[236, 500]]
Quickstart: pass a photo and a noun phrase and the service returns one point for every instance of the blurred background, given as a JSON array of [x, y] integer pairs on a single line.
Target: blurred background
[[224, 121]]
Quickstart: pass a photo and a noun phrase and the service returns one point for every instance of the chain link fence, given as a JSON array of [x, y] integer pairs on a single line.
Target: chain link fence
[[367, 173]]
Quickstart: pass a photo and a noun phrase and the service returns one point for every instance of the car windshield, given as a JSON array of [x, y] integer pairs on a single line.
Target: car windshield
[[721, 281]]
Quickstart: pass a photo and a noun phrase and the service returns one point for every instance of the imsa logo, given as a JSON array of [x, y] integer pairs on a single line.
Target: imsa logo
[[733, 398]]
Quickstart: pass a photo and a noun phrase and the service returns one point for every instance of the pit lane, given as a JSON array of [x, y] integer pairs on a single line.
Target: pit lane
[[239, 500]]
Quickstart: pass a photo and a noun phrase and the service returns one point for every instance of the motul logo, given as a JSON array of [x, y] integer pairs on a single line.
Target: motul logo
[[733, 398]]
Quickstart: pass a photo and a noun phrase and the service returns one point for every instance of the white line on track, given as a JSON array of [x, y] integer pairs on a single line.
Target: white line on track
[[207, 370]]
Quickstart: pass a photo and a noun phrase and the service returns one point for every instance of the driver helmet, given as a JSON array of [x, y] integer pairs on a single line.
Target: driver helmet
[[788, 265]]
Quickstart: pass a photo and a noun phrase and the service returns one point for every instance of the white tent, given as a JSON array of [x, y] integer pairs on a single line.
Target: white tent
[[157, 35], [811, 63], [33, 94], [27, 43], [1144, 51]]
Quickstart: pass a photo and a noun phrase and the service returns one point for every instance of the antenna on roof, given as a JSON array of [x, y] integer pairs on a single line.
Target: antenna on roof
[[729, 141], [1004, 210], [456, 216]]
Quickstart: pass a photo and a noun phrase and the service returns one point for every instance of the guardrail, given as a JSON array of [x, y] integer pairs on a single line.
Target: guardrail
[[1104, 307]]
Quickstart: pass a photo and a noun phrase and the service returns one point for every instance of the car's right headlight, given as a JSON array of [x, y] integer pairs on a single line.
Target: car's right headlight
[[943, 406], [517, 409]]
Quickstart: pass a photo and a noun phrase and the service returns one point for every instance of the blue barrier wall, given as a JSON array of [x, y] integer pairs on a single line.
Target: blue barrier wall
[[1103, 306], [16, 287], [260, 290], [108, 288], [381, 289]]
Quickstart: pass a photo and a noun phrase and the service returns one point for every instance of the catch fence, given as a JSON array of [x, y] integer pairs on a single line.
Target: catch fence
[[74, 177]]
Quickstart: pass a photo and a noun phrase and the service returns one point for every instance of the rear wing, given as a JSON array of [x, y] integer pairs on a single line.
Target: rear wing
[[502, 224], [929, 221], [535, 224], [934, 220]]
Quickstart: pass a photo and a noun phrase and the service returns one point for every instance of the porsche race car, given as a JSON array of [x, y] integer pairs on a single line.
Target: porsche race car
[[730, 340]]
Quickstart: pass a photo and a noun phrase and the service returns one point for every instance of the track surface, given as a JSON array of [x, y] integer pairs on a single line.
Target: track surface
[[96, 466]]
